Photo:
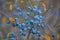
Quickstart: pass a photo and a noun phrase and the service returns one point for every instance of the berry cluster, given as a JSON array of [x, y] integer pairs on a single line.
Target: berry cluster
[[29, 24]]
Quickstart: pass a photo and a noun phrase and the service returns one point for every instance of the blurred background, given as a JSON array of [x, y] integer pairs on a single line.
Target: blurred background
[[50, 9]]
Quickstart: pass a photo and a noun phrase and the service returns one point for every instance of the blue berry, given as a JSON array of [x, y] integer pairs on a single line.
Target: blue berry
[[22, 24], [38, 34], [25, 29], [39, 11], [29, 27], [41, 17], [42, 25], [34, 10], [33, 30], [19, 9], [8, 22], [15, 19], [26, 18], [36, 17], [38, 31], [20, 13], [30, 8], [20, 31], [36, 22], [12, 39], [19, 25], [28, 13], [12, 34], [39, 24], [29, 24], [26, 22], [24, 34], [35, 7], [31, 21]]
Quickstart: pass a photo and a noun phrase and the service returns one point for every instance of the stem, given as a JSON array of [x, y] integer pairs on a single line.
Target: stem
[[29, 32]]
